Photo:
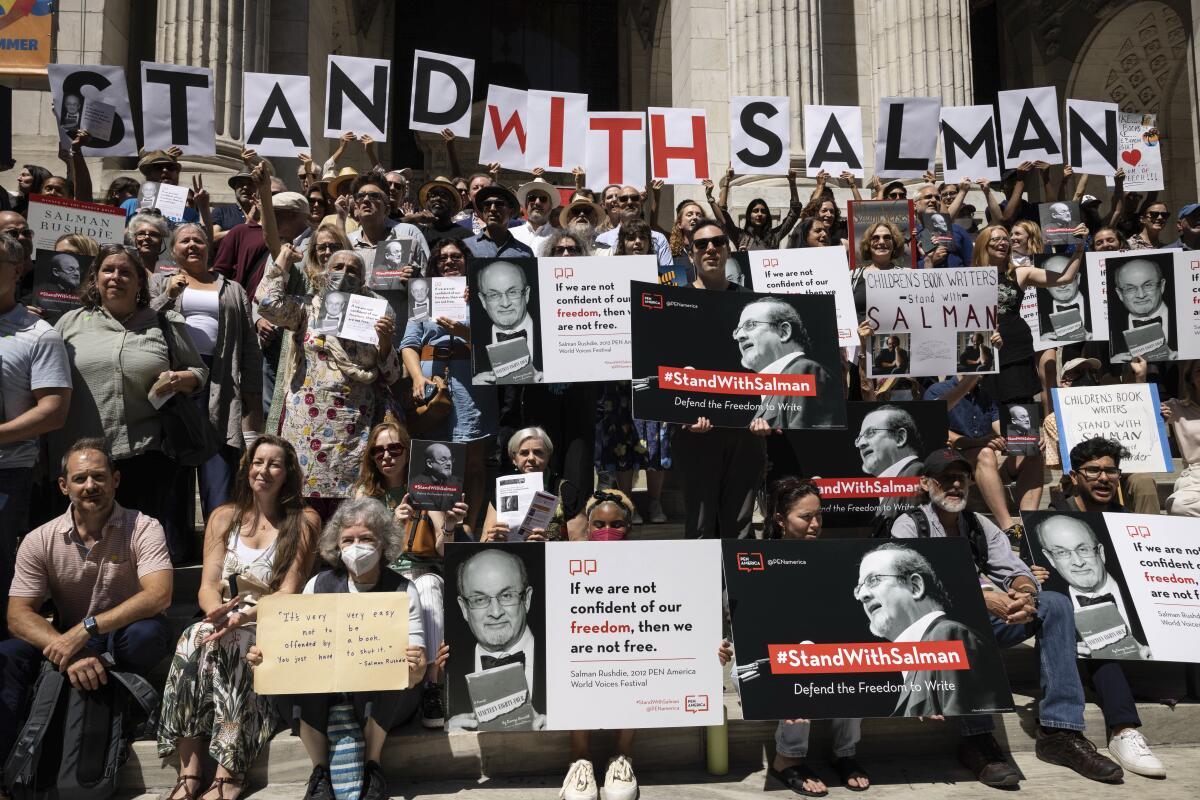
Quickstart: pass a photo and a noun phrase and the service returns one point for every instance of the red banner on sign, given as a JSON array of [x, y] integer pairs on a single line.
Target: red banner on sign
[[808, 659]]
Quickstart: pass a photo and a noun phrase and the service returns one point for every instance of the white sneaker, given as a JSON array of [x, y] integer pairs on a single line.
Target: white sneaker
[[619, 781], [1129, 749], [580, 783]]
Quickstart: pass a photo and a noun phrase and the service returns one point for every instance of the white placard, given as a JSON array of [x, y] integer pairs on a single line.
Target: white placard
[[760, 135], [1098, 293], [968, 139], [356, 96], [1128, 413], [362, 313], [514, 493], [1092, 137], [906, 141], [74, 86], [276, 114], [630, 632], [447, 298], [616, 149], [1029, 129], [441, 93], [809, 270], [98, 118], [557, 130], [1139, 153], [504, 131], [171, 200], [585, 315], [177, 108], [833, 140], [678, 145]]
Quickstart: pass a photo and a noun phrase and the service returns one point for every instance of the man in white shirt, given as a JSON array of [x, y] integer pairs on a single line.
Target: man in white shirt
[[537, 199], [629, 206]]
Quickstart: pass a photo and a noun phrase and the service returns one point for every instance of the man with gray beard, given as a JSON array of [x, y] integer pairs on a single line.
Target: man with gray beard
[[1017, 611]]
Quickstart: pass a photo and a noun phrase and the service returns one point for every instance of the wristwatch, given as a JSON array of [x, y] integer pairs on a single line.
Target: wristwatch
[[89, 625]]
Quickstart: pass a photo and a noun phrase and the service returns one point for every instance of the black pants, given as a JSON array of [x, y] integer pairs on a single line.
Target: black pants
[[1112, 689], [721, 471], [568, 415], [147, 484]]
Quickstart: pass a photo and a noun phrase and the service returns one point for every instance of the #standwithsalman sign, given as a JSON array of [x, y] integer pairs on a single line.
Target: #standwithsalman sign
[[873, 651]]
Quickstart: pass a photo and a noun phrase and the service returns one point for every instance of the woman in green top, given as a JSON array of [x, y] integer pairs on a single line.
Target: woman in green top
[[384, 476]]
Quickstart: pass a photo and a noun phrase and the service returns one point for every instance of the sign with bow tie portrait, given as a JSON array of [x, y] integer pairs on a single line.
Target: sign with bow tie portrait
[[1131, 579], [1063, 312]]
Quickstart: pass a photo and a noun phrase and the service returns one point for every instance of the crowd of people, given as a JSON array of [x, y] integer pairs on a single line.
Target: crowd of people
[[299, 438]]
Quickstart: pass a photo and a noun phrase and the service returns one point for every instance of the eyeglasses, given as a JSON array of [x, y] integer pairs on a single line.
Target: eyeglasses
[[454, 256], [716, 241], [393, 450], [871, 581], [511, 295], [629, 199], [948, 195], [371, 197], [751, 324], [536, 198], [565, 250], [1082, 551], [147, 235], [508, 598], [1158, 214], [867, 432], [897, 195], [1092, 473], [19, 232], [397, 187], [328, 247], [493, 204]]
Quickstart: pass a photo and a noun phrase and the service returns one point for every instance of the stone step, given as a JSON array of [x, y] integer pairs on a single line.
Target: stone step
[[938, 776]]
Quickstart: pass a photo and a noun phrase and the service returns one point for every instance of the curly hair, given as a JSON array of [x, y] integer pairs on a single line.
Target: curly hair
[[1094, 448], [781, 498], [864, 244], [370, 514], [679, 240], [89, 291], [635, 228], [547, 247]]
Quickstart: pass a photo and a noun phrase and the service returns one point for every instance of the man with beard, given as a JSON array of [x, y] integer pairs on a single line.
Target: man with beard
[[629, 206], [906, 602], [538, 198], [582, 217], [1140, 287], [441, 201], [505, 293], [494, 597], [772, 340], [1017, 611]]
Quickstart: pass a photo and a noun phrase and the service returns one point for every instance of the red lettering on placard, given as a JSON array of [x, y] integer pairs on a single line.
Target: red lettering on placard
[[714, 382], [615, 127], [557, 112], [809, 659], [696, 152], [867, 487], [501, 132]]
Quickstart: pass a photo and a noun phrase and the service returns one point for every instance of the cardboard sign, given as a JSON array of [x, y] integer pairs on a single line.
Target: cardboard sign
[[504, 128], [56, 279], [436, 472], [441, 93], [1092, 137], [1029, 129], [594, 634], [1059, 221], [616, 149], [833, 140], [868, 472], [1020, 425], [52, 217], [932, 306], [169, 199], [356, 96], [1140, 153], [1142, 318], [760, 136], [1062, 314], [809, 270], [276, 114], [387, 268], [906, 142], [863, 215], [678, 145], [1131, 579], [736, 356], [557, 130], [322, 643], [850, 659], [1127, 413], [177, 108], [968, 136], [73, 87]]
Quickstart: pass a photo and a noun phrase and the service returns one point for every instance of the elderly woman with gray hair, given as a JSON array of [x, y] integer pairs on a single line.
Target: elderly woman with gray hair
[[216, 313], [357, 544], [147, 233], [530, 450]]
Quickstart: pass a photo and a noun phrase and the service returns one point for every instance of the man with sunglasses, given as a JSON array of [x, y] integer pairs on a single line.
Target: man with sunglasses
[[440, 200], [629, 201], [940, 253], [161, 166], [496, 206], [538, 198], [1018, 610], [370, 193], [1188, 224]]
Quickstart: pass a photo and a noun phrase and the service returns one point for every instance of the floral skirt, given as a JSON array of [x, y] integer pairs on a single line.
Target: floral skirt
[[209, 694], [624, 443]]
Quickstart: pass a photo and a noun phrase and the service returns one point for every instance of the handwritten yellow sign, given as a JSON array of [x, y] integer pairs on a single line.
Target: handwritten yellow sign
[[332, 643]]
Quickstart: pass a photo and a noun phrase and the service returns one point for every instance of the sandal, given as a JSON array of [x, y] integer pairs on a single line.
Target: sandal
[[181, 783], [219, 783], [847, 768], [795, 777]]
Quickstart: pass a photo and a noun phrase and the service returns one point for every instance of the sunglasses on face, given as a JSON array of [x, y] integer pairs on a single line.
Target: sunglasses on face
[[896, 195], [1158, 214], [371, 197], [715, 241], [20, 233], [394, 450], [397, 187], [565, 250], [629, 199]]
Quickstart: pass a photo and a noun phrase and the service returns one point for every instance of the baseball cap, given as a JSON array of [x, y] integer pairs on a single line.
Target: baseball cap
[[1188, 210], [290, 201], [1089, 200], [939, 461]]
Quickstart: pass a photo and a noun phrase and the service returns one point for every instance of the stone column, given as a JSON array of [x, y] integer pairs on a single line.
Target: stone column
[[229, 36], [922, 48]]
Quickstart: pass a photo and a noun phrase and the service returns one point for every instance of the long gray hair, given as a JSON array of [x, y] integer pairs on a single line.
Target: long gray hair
[[372, 515]]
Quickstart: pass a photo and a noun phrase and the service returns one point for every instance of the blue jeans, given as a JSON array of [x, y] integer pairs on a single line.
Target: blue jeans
[[15, 488], [138, 647], [1062, 691], [791, 738]]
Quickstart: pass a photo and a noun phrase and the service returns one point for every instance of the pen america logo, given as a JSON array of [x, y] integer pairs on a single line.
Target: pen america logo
[[750, 562], [652, 301]]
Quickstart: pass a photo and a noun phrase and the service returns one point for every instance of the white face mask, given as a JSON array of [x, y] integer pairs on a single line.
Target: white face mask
[[360, 558]]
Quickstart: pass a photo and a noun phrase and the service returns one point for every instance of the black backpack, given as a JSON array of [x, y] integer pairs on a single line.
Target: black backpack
[[73, 742], [975, 535]]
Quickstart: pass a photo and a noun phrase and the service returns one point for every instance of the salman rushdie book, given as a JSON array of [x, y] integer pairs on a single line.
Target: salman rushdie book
[[1148, 341], [511, 361], [1068, 325], [1103, 630], [500, 697]]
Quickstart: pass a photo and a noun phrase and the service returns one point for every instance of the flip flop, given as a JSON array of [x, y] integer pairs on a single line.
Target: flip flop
[[846, 768], [794, 778]]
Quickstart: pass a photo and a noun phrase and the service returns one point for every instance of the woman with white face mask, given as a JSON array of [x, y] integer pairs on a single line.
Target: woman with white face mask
[[357, 544]]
